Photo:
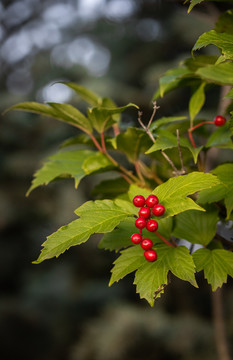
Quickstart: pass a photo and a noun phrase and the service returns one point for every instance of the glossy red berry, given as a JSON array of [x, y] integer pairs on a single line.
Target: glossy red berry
[[150, 255], [158, 210], [139, 201], [136, 238], [146, 244], [219, 120], [152, 225], [140, 223], [144, 212], [152, 200]]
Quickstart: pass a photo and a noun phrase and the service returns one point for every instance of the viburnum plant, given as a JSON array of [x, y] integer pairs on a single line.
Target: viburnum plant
[[162, 188]]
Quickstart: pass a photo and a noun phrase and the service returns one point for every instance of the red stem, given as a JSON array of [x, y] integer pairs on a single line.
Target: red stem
[[191, 138], [103, 141], [95, 142], [200, 124], [194, 128], [164, 240]]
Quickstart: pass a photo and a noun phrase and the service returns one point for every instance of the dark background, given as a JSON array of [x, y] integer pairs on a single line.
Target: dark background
[[63, 309]]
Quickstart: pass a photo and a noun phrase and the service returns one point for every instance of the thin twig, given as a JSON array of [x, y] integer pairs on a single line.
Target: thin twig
[[139, 173], [155, 107], [176, 171], [180, 152], [149, 133]]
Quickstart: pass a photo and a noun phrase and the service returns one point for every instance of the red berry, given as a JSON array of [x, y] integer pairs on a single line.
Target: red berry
[[136, 238], [152, 225], [139, 201], [140, 223], [158, 210], [146, 244], [152, 200], [144, 212], [219, 120], [150, 255]]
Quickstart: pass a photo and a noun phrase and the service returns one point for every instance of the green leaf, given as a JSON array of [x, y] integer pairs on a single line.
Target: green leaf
[[223, 190], [61, 164], [120, 237], [173, 193], [85, 94], [70, 113], [96, 162], [150, 277], [100, 216], [220, 138], [129, 260], [79, 120], [166, 140], [102, 118], [199, 61], [217, 264], [224, 41], [133, 142], [225, 23], [229, 94], [220, 74], [193, 3], [135, 190], [166, 121], [172, 78], [197, 101], [196, 227], [111, 188], [82, 139]]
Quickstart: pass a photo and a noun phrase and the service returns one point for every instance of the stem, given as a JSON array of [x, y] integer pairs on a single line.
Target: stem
[[149, 133], [179, 150], [176, 171], [191, 138], [124, 170], [127, 178], [164, 240], [194, 128], [103, 142], [219, 326], [95, 142], [139, 173], [127, 174], [200, 124], [116, 129]]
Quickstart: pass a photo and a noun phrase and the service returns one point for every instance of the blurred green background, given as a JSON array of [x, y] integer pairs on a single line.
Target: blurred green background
[[63, 308]]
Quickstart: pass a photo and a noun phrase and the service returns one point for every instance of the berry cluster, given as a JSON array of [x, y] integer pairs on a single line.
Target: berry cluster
[[148, 207]]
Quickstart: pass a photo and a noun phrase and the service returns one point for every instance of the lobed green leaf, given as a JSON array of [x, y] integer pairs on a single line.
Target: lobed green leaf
[[196, 227], [217, 264], [68, 163], [173, 193], [223, 190], [151, 277], [224, 41], [221, 74], [100, 216]]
